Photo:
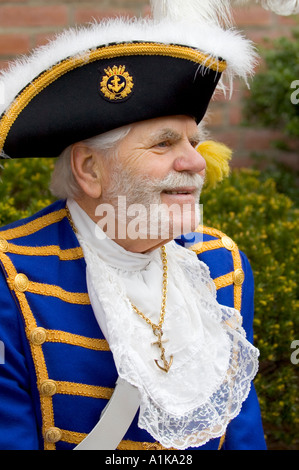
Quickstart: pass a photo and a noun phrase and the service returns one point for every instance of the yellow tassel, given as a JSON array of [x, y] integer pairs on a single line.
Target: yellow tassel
[[217, 157]]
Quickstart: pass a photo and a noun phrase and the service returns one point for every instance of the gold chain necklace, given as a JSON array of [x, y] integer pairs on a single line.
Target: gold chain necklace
[[157, 328]]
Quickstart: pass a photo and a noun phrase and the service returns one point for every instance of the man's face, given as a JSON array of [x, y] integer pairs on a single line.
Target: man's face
[[158, 167]]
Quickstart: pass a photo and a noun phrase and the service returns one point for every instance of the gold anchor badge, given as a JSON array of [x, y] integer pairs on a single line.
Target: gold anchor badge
[[158, 332], [117, 84]]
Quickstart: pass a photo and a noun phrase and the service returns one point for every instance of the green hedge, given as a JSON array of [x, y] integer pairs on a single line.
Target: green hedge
[[265, 224], [270, 102], [271, 242], [24, 188]]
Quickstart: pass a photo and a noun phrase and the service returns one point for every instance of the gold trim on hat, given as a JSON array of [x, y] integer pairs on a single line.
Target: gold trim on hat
[[109, 52]]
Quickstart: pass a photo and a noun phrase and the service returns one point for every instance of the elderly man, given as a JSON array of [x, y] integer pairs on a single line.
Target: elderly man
[[99, 304]]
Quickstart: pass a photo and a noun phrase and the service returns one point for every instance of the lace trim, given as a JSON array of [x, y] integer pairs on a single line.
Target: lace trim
[[214, 363]]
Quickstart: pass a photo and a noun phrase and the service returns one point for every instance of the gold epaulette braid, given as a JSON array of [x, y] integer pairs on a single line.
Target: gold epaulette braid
[[235, 277]]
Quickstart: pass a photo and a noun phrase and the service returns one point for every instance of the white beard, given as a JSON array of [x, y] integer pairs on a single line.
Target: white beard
[[138, 206]]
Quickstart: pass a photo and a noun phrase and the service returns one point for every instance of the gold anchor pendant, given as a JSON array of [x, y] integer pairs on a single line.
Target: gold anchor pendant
[[159, 333]]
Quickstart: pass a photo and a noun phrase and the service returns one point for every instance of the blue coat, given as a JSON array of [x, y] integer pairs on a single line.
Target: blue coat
[[58, 371]]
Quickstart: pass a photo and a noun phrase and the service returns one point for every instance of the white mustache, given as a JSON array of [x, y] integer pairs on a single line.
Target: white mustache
[[143, 189], [177, 181]]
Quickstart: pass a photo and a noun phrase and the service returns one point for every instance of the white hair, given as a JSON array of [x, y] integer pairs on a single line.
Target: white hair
[[63, 182]]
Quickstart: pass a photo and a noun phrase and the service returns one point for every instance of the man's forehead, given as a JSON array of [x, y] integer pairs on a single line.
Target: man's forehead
[[168, 127]]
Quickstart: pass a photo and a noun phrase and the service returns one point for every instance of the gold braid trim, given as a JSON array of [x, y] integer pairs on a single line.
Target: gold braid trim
[[227, 279], [34, 226], [52, 250], [36, 350], [224, 281], [201, 247], [80, 298], [72, 437], [55, 336], [222, 440], [132, 445], [214, 232], [237, 288], [118, 50], [84, 390]]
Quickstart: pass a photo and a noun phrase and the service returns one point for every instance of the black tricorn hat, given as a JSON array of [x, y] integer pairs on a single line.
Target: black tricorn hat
[[97, 78]]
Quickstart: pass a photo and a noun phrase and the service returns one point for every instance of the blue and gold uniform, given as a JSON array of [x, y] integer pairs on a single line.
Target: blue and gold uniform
[[58, 371]]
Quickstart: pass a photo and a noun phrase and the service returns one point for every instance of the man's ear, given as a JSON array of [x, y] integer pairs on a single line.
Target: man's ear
[[84, 167]]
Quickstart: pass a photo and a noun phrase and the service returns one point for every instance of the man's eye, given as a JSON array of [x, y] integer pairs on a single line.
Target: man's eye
[[163, 144], [194, 143]]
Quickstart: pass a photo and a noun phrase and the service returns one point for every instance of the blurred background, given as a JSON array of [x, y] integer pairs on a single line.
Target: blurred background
[[257, 205]]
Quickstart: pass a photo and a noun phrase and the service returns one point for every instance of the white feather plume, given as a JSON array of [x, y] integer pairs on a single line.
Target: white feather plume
[[215, 12], [280, 7], [204, 34]]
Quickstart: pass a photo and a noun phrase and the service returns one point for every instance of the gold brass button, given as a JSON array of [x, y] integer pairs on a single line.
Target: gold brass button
[[53, 435], [48, 388], [38, 336], [228, 243], [3, 245], [239, 277], [21, 282]]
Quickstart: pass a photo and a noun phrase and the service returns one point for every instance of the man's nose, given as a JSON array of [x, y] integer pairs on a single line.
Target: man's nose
[[190, 160]]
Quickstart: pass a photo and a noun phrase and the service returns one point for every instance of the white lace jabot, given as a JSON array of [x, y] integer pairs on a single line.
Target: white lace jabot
[[213, 363]]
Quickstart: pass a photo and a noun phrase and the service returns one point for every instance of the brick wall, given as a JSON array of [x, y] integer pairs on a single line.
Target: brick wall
[[25, 24]]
